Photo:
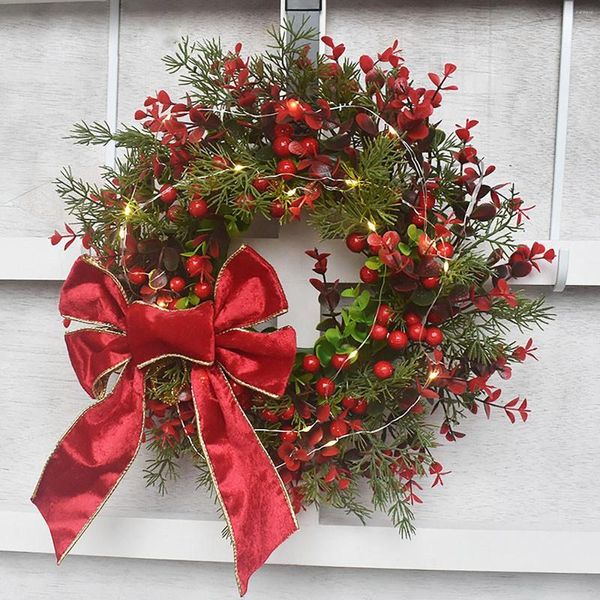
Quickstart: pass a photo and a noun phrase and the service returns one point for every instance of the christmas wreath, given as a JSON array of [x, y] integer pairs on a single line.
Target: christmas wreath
[[401, 357]]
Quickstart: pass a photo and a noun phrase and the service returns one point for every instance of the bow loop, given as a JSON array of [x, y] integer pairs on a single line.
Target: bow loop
[[93, 295], [95, 353], [247, 292], [260, 361]]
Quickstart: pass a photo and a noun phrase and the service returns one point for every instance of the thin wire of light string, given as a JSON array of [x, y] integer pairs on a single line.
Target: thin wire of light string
[[360, 432], [189, 437]]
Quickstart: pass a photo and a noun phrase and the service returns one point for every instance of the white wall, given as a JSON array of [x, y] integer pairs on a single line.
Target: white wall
[[32, 577], [538, 476]]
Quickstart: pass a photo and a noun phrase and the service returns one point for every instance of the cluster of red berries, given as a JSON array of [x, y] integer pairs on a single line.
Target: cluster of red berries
[[196, 266], [396, 339]]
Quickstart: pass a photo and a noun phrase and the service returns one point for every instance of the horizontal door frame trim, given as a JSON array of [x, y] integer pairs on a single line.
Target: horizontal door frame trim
[[34, 259], [566, 552]]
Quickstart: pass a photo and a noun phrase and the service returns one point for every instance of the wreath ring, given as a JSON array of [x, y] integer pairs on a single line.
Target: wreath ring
[[352, 148]]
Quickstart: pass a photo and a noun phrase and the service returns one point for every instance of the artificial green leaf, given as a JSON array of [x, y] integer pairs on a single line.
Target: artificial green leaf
[[324, 351], [362, 301], [404, 248], [181, 303], [359, 336], [333, 336], [374, 263], [413, 232], [350, 292]]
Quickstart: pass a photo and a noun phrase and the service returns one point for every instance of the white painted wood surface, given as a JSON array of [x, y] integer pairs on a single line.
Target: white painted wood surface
[[581, 212], [507, 56], [52, 73], [512, 488], [31, 577]]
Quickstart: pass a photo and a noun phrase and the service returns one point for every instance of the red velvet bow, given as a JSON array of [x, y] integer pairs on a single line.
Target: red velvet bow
[[92, 457]]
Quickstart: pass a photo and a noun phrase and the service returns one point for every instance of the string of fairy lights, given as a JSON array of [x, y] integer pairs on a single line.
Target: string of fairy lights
[[371, 226]]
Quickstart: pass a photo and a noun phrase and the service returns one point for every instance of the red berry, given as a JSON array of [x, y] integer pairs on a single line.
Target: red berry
[[397, 340], [340, 361], [194, 265], [383, 369], [384, 314], [343, 483], [310, 145], [289, 436], [430, 282], [198, 207], [283, 129], [325, 387], [287, 169], [323, 413], [288, 413], [378, 332], [348, 402], [281, 145], [338, 428], [360, 408], [173, 212], [203, 289], [368, 275], [167, 193], [445, 249], [261, 185], [434, 336], [177, 284], [418, 219], [411, 318], [137, 275], [356, 242], [310, 363], [416, 332], [277, 209], [269, 416]]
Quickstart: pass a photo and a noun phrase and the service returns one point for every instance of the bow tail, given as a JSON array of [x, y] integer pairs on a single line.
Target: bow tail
[[256, 505], [90, 460]]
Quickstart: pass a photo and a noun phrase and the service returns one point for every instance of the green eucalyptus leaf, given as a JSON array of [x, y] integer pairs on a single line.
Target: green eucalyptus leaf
[[182, 303], [362, 301], [404, 248], [413, 232], [324, 351], [359, 336], [374, 263], [333, 336]]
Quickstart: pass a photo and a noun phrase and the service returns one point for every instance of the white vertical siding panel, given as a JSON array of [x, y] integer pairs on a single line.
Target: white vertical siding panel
[[52, 73], [581, 215], [507, 55]]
